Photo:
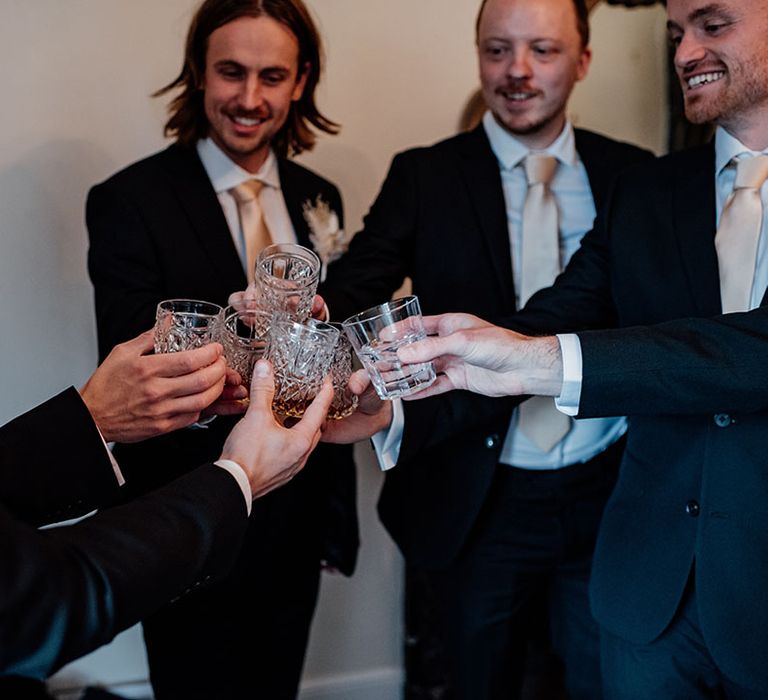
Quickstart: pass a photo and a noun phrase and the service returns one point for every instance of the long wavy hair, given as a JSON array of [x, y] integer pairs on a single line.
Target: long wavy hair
[[187, 121]]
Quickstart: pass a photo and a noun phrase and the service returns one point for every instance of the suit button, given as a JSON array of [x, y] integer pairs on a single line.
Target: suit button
[[693, 509], [491, 441], [722, 420]]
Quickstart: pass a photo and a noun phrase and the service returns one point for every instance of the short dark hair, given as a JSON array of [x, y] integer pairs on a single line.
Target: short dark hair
[[582, 20], [187, 121]]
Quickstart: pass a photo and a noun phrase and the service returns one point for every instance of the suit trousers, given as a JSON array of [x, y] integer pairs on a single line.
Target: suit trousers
[[675, 666], [534, 538]]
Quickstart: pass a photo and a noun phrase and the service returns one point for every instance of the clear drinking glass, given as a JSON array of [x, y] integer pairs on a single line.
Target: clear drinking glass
[[244, 337], [344, 401], [301, 356], [286, 278], [376, 335], [185, 324]]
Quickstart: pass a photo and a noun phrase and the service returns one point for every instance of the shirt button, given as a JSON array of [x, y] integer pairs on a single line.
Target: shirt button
[[491, 441], [693, 509], [722, 420]]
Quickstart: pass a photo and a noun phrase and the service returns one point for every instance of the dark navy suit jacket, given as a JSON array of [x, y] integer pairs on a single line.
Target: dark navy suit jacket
[[692, 493], [440, 219]]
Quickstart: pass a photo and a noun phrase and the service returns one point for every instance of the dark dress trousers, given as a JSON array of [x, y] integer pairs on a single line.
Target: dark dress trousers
[[69, 590], [157, 231], [693, 486], [441, 219]]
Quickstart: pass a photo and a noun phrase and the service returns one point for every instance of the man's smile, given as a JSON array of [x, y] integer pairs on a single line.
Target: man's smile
[[696, 81]]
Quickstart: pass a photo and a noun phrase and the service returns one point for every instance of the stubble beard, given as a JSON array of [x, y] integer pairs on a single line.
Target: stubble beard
[[743, 91]]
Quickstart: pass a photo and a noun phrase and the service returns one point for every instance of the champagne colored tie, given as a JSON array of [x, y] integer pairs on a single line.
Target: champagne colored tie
[[739, 232], [255, 232], [538, 417]]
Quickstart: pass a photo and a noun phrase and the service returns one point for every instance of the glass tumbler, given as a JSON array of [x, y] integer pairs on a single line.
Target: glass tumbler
[[285, 280], [244, 337], [301, 356], [185, 324], [376, 335], [344, 401]]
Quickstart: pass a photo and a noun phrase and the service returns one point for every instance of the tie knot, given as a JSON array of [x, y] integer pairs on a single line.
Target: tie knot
[[247, 191], [540, 168], [751, 172]]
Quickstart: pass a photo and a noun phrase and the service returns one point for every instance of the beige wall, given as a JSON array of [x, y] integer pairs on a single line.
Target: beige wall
[[74, 82]]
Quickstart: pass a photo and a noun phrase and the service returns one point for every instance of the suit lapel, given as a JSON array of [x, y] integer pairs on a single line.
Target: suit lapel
[[600, 171], [479, 173], [196, 195], [294, 196], [693, 206]]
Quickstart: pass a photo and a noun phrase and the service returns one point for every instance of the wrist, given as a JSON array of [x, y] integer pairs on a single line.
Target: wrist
[[90, 404], [544, 375], [238, 472]]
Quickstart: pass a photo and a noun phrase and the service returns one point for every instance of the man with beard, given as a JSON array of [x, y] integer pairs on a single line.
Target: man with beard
[[490, 509], [680, 572], [175, 225]]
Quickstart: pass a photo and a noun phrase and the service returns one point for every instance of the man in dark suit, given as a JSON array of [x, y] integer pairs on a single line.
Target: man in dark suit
[[490, 516], [169, 226], [69, 590], [680, 572]]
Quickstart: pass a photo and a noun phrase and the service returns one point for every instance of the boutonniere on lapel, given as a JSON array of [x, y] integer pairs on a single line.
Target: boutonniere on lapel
[[329, 241]]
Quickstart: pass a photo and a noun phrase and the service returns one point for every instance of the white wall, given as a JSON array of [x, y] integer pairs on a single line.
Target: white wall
[[75, 79]]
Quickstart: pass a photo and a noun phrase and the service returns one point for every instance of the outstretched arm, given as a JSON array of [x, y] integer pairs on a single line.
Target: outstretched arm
[[683, 367], [65, 592], [471, 354]]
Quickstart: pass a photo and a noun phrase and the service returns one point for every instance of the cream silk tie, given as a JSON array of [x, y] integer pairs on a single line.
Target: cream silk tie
[[255, 232], [538, 417], [739, 232]]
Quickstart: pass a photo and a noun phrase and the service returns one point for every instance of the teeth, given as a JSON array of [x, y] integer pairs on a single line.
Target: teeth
[[244, 121], [705, 78], [517, 95]]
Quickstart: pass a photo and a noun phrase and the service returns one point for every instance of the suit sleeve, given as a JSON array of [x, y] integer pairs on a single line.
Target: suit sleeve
[[580, 297], [379, 255], [683, 366], [689, 366], [123, 265], [36, 486], [68, 591]]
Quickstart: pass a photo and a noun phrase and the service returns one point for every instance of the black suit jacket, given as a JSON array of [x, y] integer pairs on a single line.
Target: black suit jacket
[[440, 219], [693, 486], [66, 591], [157, 231]]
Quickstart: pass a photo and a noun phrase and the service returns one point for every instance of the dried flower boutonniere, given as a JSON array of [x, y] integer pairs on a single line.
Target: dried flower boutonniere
[[330, 241]]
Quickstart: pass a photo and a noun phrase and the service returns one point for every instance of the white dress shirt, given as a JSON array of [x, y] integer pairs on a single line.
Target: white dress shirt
[[576, 207], [727, 147], [224, 174]]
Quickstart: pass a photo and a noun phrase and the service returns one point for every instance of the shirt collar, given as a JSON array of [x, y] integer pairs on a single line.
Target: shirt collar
[[510, 152], [225, 174], [727, 147]]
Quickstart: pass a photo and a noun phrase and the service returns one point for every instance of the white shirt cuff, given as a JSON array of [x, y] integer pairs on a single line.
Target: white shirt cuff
[[240, 476], [387, 442], [570, 394], [202, 424], [115, 466]]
